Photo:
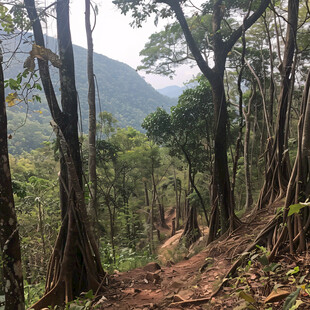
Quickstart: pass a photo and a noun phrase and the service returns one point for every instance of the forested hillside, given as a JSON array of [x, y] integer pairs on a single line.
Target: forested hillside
[[121, 91], [207, 207]]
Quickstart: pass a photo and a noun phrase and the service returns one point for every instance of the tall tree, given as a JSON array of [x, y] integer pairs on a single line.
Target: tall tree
[[92, 117], [9, 236], [75, 263], [278, 168], [222, 198], [187, 131]]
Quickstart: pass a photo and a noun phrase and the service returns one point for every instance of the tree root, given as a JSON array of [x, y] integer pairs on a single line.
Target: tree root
[[266, 230], [190, 302]]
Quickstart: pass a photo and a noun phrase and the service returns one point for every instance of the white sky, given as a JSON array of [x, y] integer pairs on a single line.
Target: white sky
[[114, 38]]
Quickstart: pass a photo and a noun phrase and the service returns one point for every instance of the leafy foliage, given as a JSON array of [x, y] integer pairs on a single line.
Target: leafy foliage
[[188, 130]]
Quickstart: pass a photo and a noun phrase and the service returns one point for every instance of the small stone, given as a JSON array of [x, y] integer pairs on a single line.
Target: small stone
[[152, 267]]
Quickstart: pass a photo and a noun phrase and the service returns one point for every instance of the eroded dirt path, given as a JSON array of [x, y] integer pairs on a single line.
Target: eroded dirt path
[[162, 287]]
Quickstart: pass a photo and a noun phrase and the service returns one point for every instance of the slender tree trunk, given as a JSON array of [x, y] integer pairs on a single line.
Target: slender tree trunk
[[221, 174], [162, 220], [177, 202], [41, 227], [111, 217], [187, 192], [272, 83], [193, 185], [305, 144], [146, 194], [92, 121], [152, 222], [240, 132], [9, 236], [246, 155]]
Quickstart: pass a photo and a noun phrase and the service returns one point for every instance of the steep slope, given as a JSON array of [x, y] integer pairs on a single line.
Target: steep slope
[[123, 92], [201, 281]]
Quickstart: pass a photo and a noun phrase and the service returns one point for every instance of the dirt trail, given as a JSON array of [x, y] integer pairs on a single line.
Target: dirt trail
[[154, 288]]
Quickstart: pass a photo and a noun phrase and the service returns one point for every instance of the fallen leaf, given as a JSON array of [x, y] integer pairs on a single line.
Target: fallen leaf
[[247, 297], [276, 295]]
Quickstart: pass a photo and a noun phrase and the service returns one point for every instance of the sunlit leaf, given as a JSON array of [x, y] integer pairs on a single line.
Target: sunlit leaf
[[297, 207], [12, 99], [293, 271]]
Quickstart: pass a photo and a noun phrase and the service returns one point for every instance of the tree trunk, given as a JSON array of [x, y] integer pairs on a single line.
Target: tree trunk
[[146, 193], [221, 174], [111, 217], [75, 265], [9, 236], [272, 83], [278, 165], [248, 185], [41, 228], [92, 175], [152, 250], [193, 185], [298, 187], [191, 231], [162, 220], [215, 76], [177, 202]]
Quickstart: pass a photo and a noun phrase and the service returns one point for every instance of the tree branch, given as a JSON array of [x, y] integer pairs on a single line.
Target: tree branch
[[57, 114], [203, 66], [248, 22]]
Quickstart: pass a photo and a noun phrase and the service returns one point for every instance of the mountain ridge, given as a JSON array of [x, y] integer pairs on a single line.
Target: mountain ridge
[[122, 92], [174, 91]]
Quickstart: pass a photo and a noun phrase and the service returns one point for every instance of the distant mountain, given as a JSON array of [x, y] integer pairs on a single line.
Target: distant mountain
[[122, 91], [171, 91], [175, 91]]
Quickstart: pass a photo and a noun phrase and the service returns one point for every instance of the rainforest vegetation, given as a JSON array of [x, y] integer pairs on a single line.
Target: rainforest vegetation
[[98, 171]]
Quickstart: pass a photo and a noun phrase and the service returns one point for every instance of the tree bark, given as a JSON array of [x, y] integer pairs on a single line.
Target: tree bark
[[246, 149], [191, 232], [146, 193], [161, 210], [177, 202], [9, 236]]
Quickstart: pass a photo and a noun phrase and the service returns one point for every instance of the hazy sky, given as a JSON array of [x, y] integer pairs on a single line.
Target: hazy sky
[[114, 38]]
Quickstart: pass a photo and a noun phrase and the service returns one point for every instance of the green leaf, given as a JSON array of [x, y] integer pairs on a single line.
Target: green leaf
[[291, 300], [297, 207], [247, 297], [263, 260], [293, 271], [88, 295], [301, 280]]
